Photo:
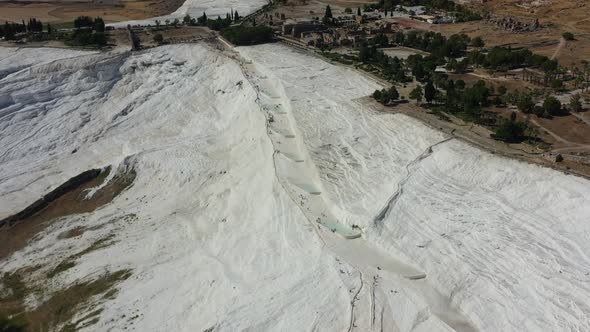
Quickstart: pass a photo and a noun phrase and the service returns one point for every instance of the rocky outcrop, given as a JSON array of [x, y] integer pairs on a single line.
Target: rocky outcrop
[[514, 25]]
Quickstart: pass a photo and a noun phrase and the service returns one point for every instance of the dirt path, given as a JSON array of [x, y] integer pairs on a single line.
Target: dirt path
[[587, 121], [560, 46]]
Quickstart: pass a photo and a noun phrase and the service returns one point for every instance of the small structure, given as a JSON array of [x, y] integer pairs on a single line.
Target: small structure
[[345, 21]]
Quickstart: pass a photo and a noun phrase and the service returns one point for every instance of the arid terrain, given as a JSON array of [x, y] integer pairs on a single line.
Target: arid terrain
[[555, 18], [56, 11]]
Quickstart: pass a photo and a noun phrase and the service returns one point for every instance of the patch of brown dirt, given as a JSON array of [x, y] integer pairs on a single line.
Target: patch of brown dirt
[[61, 306], [20, 228], [569, 128], [171, 35]]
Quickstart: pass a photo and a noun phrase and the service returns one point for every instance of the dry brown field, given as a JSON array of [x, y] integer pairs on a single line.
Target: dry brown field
[[557, 17], [58, 11]]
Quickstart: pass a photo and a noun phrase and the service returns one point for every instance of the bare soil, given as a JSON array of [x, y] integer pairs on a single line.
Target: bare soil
[[55, 11], [171, 35], [60, 307], [15, 236]]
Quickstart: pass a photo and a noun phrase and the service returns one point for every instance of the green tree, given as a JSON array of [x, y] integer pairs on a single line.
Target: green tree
[[477, 42], [393, 93], [460, 84], [576, 103], [348, 10], [328, 13], [568, 36], [364, 53], [158, 38], [502, 90], [552, 105], [556, 84], [358, 11], [202, 20], [417, 94], [525, 103], [99, 25], [377, 95], [381, 40], [429, 92], [510, 131], [83, 22]]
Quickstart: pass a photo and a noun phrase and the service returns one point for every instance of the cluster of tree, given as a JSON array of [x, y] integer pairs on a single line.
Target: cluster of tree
[[244, 35], [568, 36], [417, 94], [385, 96], [435, 43], [551, 106], [34, 25], [458, 99], [391, 68], [214, 24], [9, 30], [86, 22], [510, 130], [380, 40], [429, 93], [88, 32], [501, 58], [87, 38], [422, 68], [394, 70]]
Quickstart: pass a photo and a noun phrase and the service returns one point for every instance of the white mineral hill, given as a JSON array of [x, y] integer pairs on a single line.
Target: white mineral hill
[[239, 154]]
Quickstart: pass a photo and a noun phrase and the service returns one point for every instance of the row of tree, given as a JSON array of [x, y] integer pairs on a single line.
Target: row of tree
[[10, 30], [203, 20], [86, 22]]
